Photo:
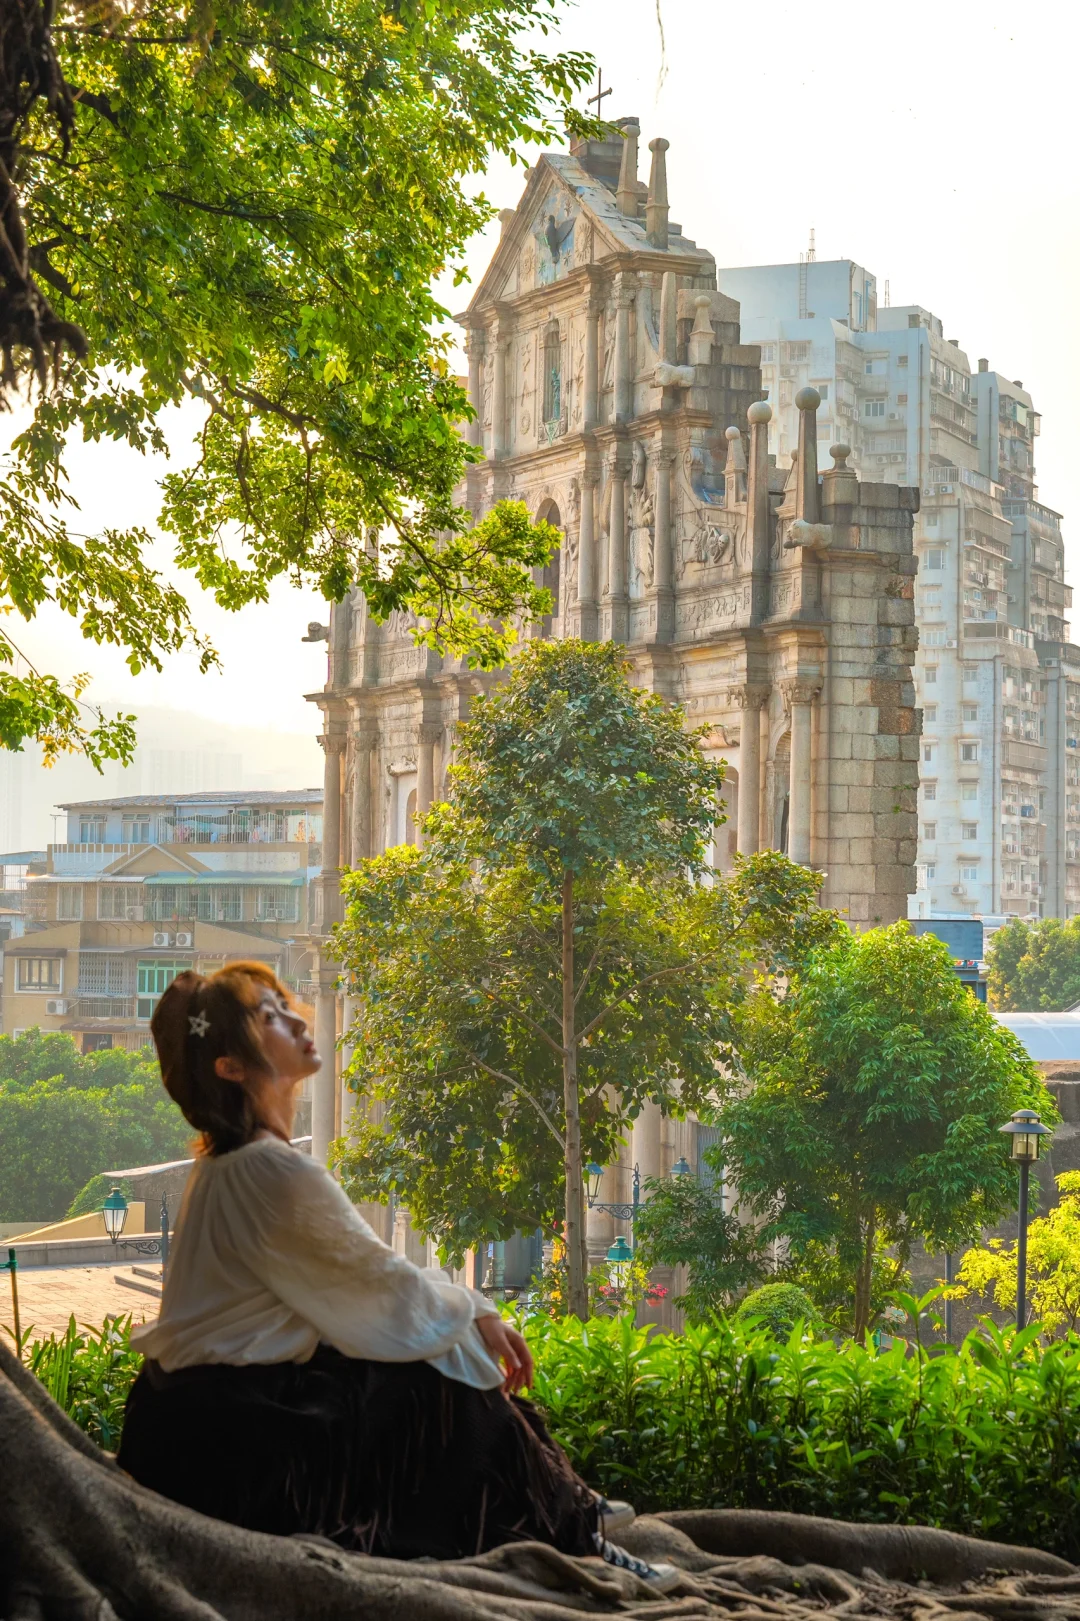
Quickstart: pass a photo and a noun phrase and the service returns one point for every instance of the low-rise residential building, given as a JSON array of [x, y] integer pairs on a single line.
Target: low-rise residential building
[[997, 676], [147, 886]]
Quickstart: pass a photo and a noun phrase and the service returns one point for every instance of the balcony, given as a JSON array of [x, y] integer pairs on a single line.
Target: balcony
[[103, 1007]]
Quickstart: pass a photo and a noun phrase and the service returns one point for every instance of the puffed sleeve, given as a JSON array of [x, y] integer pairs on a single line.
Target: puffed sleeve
[[306, 1243]]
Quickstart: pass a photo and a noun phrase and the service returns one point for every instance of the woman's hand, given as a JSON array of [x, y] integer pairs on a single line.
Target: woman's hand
[[509, 1347]]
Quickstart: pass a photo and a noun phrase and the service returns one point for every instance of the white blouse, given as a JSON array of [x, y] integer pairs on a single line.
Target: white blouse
[[270, 1258]]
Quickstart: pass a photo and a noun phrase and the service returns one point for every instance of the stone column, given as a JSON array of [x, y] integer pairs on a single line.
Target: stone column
[[617, 598], [646, 1140], [498, 396], [764, 737], [592, 365], [324, 1083], [665, 461], [363, 745], [474, 348], [623, 379], [425, 774], [587, 556], [799, 696], [749, 699], [333, 748]]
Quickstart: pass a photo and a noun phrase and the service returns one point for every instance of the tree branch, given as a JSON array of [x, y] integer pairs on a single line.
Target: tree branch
[[523, 1091]]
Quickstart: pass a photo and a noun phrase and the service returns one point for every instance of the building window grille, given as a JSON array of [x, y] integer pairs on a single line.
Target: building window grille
[[969, 753], [154, 976], [101, 974], [929, 831], [276, 904], [969, 830]]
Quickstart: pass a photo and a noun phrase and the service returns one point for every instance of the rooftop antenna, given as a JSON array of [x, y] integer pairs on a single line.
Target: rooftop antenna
[[887, 298], [811, 252], [600, 93]]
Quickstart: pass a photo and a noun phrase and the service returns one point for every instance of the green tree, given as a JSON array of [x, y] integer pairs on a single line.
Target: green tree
[[878, 1086], [1035, 967], [65, 1117], [684, 1222], [551, 958], [1053, 1265], [242, 205]]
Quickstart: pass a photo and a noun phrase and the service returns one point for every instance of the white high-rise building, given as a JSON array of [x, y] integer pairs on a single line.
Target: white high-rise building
[[998, 677]]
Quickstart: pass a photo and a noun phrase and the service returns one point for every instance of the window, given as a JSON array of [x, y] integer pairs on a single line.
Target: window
[[92, 830], [971, 673], [39, 973], [930, 675], [276, 904], [931, 871], [929, 714], [901, 360], [69, 902], [154, 977], [929, 831], [969, 790], [971, 711], [969, 875], [116, 902], [969, 830], [929, 790], [901, 399], [935, 558], [823, 390], [928, 751], [969, 752], [873, 408], [137, 829]]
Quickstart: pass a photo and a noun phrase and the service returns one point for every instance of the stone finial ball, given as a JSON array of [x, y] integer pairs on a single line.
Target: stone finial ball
[[760, 411], [658, 144], [807, 399], [840, 454], [732, 433]]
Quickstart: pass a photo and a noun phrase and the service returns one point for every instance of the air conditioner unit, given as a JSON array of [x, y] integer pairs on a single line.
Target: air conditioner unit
[[56, 1006], [952, 643], [185, 939], [959, 889], [944, 489], [893, 415], [133, 914], [161, 939]]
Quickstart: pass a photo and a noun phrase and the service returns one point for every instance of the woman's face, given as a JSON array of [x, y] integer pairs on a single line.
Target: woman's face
[[283, 1034]]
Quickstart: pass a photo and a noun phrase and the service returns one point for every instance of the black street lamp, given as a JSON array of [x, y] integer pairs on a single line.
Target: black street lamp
[[1023, 1131]]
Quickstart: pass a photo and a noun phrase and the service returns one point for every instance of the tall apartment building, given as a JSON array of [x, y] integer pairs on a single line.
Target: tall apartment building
[[144, 887], [998, 677]]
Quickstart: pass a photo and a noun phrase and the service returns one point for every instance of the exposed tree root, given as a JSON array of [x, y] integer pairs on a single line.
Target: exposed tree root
[[80, 1541]]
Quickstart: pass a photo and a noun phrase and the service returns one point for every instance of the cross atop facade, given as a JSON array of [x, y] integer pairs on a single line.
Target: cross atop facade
[[600, 93]]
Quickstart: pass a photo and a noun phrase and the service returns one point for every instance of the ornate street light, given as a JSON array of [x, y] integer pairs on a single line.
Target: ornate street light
[[114, 1212], [680, 1167], [619, 1258], [1023, 1131]]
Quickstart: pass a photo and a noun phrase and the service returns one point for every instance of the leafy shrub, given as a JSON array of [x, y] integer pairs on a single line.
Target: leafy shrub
[[89, 1372], [982, 1440], [778, 1306]]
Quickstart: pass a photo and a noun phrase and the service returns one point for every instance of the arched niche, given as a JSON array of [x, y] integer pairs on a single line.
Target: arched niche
[[550, 576]]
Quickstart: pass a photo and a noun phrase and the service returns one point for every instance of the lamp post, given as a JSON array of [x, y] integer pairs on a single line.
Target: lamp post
[[619, 1258], [1023, 1131], [114, 1214], [12, 1265]]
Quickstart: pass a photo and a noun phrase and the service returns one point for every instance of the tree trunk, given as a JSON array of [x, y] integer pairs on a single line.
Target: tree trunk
[[574, 1232], [864, 1278]]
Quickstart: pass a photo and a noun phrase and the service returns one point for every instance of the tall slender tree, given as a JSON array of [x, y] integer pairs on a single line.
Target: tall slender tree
[[554, 956]]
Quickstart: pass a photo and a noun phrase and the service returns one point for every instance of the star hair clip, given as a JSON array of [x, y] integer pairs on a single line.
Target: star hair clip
[[198, 1024]]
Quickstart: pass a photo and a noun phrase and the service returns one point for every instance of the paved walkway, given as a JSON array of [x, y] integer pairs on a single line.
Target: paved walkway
[[48, 1295]]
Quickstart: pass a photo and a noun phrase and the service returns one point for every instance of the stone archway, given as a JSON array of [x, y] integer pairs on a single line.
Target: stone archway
[[550, 576]]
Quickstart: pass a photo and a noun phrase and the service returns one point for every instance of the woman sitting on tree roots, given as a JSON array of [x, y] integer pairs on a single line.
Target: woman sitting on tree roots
[[302, 1376]]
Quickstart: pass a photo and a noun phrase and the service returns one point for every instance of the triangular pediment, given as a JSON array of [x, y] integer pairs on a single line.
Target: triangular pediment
[[154, 858], [565, 218]]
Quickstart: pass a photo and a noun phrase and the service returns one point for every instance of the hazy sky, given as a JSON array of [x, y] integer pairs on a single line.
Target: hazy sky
[[931, 143]]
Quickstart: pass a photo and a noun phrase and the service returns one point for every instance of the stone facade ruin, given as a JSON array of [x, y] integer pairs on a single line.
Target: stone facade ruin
[[615, 399]]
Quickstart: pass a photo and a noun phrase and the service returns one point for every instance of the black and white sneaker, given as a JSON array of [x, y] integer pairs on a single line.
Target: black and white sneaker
[[614, 1515], [660, 1578]]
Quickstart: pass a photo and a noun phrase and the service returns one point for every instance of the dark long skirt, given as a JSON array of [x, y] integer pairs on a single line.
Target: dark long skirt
[[384, 1458]]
